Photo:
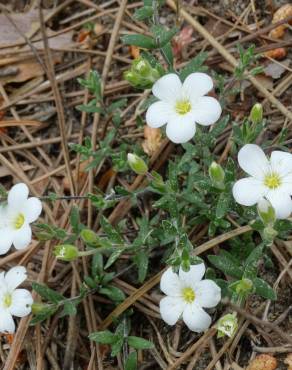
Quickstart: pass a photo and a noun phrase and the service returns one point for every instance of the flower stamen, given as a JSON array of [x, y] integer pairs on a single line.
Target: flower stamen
[[19, 221], [272, 181], [183, 107], [7, 300], [188, 295]]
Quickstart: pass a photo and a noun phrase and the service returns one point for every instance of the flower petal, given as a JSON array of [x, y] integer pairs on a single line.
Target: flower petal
[[167, 88], [281, 202], [171, 308], [281, 162], [197, 85], [206, 110], [180, 129], [253, 161], [17, 195], [6, 322], [22, 237], [194, 275], [158, 114], [21, 303], [170, 283], [5, 240], [32, 209], [248, 191], [15, 276], [195, 318], [286, 185], [208, 293]]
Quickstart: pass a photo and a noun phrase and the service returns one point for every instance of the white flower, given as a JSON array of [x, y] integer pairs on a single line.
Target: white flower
[[15, 218], [181, 105], [186, 294], [270, 179], [13, 302]]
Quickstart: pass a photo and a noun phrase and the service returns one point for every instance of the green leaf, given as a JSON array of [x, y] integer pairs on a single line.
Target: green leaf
[[114, 293], [47, 293], [141, 41], [139, 343], [195, 65], [97, 264], [74, 219], [251, 263], [104, 337], [163, 35], [69, 309], [113, 257], [167, 50], [143, 13], [142, 260], [132, 361], [111, 231], [225, 263], [222, 205], [91, 107], [117, 346], [264, 290]]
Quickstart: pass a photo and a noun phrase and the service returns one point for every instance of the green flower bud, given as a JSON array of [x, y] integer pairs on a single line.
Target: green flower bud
[[266, 212], [66, 252], [89, 237], [137, 164], [142, 67], [242, 287], [245, 286], [131, 77], [256, 113], [217, 175], [227, 325], [141, 74], [38, 307]]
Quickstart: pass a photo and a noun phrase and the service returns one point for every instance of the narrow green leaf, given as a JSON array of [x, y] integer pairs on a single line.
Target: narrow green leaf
[[264, 290], [139, 343], [104, 337], [47, 293], [111, 231], [114, 293], [113, 257], [143, 13], [132, 361], [141, 41], [227, 265], [195, 65]]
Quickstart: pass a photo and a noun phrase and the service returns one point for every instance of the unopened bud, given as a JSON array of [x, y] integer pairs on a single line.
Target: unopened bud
[[89, 237], [245, 286], [141, 66], [227, 325], [137, 164], [242, 287], [217, 175], [141, 74], [38, 307], [256, 113], [266, 212], [66, 252]]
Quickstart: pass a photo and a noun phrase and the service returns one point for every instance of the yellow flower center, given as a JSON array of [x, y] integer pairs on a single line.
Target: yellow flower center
[[19, 221], [183, 106], [272, 181], [7, 300], [188, 295]]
